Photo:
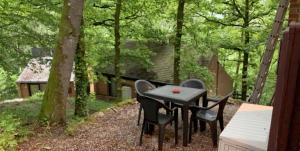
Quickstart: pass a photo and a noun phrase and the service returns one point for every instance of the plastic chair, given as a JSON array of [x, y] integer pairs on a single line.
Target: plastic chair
[[205, 114], [142, 86], [152, 116]]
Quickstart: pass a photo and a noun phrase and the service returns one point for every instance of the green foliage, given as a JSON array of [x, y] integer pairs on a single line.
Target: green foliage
[[38, 96], [95, 105], [8, 128], [10, 131], [209, 27], [7, 85], [25, 24], [190, 67]]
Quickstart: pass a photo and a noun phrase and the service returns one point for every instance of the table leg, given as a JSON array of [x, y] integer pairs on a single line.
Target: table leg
[[185, 125], [196, 121], [204, 104], [149, 128]]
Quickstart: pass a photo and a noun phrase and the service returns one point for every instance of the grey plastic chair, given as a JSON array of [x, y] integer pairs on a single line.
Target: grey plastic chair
[[191, 83], [205, 114], [142, 86], [152, 116]]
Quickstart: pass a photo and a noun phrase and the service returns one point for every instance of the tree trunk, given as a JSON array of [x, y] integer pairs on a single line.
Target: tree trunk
[[117, 49], [177, 45], [238, 64], [54, 102], [246, 52], [81, 77]]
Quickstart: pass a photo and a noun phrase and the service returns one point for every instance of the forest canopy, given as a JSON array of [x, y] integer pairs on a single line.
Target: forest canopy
[[234, 30]]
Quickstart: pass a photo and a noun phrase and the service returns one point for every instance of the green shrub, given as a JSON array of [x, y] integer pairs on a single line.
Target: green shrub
[[8, 88], [37, 96], [9, 131]]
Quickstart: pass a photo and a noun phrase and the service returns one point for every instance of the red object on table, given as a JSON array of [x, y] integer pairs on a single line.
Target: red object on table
[[176, 90]]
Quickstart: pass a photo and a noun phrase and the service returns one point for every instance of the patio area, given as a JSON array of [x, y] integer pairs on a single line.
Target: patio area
[[116, 129]]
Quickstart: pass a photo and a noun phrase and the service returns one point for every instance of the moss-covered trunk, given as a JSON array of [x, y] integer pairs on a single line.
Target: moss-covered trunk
[[117, 49], [81, 77], [56, 93], [177, 45]]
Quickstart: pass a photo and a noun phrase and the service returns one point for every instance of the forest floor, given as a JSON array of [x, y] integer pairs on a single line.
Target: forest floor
[[116, 130]]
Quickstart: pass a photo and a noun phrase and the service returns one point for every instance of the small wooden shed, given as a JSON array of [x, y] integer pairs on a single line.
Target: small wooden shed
[[35, 76]]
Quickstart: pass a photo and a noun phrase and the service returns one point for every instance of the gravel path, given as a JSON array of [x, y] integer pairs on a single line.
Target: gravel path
[[116, 130]]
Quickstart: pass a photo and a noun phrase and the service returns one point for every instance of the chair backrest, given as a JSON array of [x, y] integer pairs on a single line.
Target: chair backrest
[[193, 83], [151, 108], [222, 104], [142, 86]]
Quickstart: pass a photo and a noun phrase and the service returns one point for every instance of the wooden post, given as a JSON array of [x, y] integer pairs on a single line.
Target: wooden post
[[285, 129], [294, 14]]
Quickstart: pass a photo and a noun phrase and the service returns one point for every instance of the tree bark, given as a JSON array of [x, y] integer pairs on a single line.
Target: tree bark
[[117, 49], [54, 102], [177, 45], [81, 77], [246, 52]]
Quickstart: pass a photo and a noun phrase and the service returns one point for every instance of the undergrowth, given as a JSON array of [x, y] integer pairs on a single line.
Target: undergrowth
[[17, 120]]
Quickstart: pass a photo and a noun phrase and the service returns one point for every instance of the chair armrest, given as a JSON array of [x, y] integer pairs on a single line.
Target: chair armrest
[[197, 108], [214, 99]]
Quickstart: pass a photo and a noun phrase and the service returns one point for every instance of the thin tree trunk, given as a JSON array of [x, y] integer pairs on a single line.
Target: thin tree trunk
[[117, 49], [246, 52], [180, 15], [56, 93], [81, 77], [238, 64]]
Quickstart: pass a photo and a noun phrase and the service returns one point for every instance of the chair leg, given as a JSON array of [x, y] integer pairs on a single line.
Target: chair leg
[[176, 126], [168, 104], [161, 137], [142, 132], [190, 130], [214, 135], [202, 126], [139, 116], [195, 121], [221, 121]]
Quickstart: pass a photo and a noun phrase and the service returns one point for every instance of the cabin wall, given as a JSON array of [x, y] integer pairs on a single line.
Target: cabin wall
[[25, 89], [222, 82], [101, 88], [104, 89], [130, 83], [225, 82]]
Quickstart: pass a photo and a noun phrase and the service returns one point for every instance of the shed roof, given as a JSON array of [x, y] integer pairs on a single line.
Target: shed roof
[[162, 59], [37, 71]]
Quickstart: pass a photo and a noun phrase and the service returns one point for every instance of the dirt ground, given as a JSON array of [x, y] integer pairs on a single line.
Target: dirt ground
[[116, 130]]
